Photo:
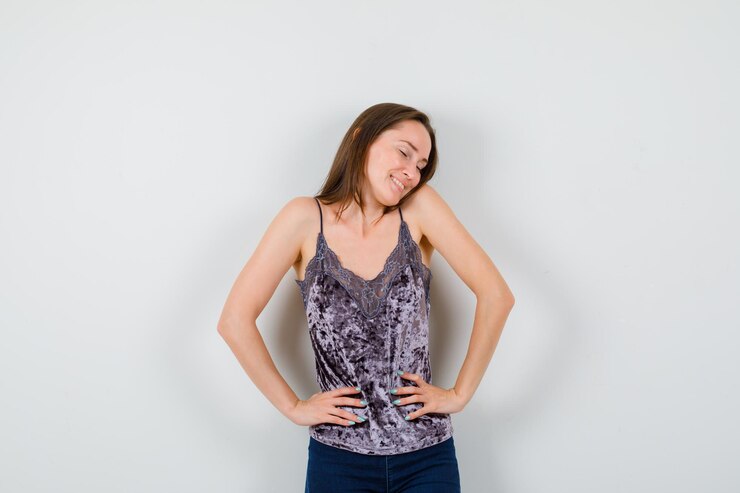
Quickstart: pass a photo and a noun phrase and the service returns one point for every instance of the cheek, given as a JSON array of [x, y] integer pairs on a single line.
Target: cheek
[[373, 171]]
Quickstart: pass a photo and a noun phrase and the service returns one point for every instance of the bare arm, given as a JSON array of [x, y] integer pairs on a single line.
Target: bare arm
[[469, 261], [275, 254], [256, 283]]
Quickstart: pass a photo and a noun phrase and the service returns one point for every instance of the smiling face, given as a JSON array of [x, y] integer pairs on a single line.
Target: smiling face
[[397, 155]]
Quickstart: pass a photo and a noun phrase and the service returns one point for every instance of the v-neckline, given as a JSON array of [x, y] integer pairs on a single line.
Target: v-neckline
[[385, 264]]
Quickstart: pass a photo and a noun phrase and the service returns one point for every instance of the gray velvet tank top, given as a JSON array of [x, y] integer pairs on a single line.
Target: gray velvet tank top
[[362, 331]]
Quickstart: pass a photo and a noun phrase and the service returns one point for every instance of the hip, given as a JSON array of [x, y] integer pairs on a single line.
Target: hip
[[430, 469]]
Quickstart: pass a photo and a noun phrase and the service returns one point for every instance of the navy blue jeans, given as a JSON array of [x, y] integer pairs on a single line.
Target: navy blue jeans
[[428, 470]]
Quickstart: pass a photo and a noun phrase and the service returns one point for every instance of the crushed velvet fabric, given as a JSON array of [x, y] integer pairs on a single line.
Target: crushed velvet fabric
[[362, 331]]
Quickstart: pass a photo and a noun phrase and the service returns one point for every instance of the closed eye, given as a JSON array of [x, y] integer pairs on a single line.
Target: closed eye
[[407, 156]]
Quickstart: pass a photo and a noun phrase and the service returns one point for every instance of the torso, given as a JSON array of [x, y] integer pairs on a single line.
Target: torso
[[363, 256], [367, 321]]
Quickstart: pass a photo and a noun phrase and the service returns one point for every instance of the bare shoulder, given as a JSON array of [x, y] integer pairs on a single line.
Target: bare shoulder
[[447, 235], [278, 249], [294, 213], [424, 206], [299, 209], [300, 214]]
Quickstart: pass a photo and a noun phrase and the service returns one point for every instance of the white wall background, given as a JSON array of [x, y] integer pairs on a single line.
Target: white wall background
[[590, 148]]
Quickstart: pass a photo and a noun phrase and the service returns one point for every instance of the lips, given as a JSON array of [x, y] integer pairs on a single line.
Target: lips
[[395, 185]]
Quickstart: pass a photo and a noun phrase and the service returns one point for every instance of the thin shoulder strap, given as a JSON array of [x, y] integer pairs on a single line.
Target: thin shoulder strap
[[321, 215], [401, 213]]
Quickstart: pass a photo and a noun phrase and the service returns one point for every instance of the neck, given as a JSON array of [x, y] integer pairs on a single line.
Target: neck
[[357, 220]]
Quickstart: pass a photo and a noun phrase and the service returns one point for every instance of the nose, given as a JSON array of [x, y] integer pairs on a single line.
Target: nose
[[411, 176], [408, 174]]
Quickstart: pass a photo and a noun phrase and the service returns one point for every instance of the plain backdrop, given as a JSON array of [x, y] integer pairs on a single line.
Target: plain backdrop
[[589, 147]]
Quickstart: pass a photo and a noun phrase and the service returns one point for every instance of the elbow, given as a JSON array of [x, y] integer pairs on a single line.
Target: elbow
[[510, 299], [506, 302], [224, 331], [231, 324], [510, 302], [223, 324], [229, 332], [498, 299], [506, 298]]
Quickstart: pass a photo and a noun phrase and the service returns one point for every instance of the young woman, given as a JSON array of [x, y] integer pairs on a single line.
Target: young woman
[[361, 250]]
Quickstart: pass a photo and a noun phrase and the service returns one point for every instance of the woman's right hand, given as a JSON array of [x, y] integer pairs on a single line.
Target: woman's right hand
[[322, 408]]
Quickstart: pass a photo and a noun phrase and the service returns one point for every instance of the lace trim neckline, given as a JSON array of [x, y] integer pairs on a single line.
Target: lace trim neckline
[[322, 245], [369, 294], [386, 264]]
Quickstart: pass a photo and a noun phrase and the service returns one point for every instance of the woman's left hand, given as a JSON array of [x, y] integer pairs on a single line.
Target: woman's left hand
[[435, 399]]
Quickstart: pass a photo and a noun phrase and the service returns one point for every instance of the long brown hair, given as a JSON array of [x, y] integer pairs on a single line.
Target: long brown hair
[[347, 174]]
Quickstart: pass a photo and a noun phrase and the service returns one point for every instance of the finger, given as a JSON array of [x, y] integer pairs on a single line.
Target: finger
[[351, 417], [407, 400], [414, 415], [348, 401], [343, 391], [345, 416], [406, 390], [339, 421], [413, 377]]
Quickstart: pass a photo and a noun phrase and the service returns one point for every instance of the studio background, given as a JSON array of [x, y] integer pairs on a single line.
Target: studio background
[[589, 147]]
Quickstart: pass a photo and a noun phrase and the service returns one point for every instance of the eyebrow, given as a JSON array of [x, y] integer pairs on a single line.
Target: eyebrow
[[414, 148]]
